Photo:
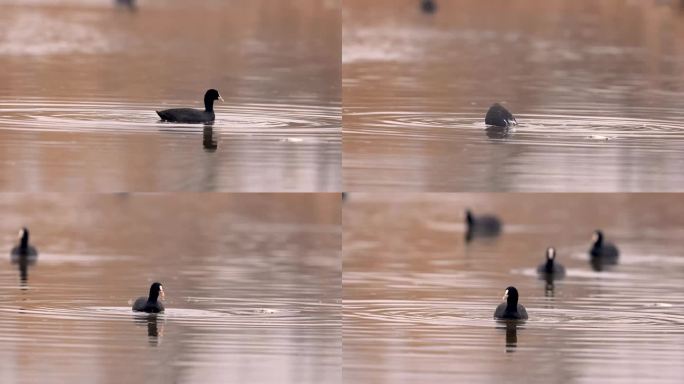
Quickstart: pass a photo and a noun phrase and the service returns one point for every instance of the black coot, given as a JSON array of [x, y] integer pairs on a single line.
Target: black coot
[[499, 116], [510, 310], [190, 115], [484, 226], [603, 252], [24, 249], [551, 269], [151, 304], [428, 6]]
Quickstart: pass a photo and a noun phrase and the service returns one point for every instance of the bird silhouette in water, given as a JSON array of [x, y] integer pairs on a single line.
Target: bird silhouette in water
[[24, 255], [481, 226], [428, 6], [602, 253], [129, 4]]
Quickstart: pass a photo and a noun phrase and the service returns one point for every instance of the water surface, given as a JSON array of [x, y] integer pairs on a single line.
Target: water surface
[[252, 288], [418, 300], [82, 79], [595, 86]]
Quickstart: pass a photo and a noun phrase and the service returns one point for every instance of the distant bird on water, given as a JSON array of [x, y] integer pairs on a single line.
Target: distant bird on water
[[498, 116], [130, 4], [602, 252], [551, 269], [428, 6], [510, 310], [152, 303], [190, 115], [24, 249], [481, 226]]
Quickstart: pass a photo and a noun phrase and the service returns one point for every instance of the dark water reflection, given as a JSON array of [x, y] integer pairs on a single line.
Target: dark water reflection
[[595, 85], [419, 299], [82, 79], [252, 289]]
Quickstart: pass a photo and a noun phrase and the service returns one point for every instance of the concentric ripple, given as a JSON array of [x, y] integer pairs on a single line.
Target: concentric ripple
[[427, 125], [107, 116]]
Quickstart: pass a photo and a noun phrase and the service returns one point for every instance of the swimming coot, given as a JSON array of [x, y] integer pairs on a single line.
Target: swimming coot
[[485, 225], [428, 6], [190, 115], [499, 116], [151, 304], [24, 249], [551, 268], [510, 310], [603, 252]]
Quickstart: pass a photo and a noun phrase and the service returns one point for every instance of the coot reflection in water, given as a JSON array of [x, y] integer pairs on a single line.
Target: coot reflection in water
[[155, 326], [511, 327], [208, 142]]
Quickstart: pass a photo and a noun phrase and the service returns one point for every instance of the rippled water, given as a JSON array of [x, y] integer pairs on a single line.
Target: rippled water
[[250, 296], [594, 90], [82, 81], [419, 300]]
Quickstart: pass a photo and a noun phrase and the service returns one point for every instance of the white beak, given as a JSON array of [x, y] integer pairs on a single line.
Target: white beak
[[505, 296], [161, 292], [221, 98]]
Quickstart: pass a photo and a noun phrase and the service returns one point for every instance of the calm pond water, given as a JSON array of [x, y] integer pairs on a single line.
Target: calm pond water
[[595, 85], [252, 288], [418, 300], [82, 79]]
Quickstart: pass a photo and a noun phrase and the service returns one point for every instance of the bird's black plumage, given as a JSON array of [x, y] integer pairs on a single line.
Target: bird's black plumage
[[151, 304], [510, 310], [483, 225], [24, 249], [602, 251], [499, 116], [428, 6], [190, 115], [551, 268]]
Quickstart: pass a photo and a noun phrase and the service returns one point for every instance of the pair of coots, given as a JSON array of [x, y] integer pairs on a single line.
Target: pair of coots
[[191, 115], [25, 252]]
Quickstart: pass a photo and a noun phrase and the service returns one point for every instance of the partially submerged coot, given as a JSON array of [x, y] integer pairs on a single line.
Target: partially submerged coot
[[190, 115], [499, 116], [151, 304], [510, 310]]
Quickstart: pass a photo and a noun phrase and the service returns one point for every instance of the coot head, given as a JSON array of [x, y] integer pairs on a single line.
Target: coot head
[[209, 97], [156, 290], [598, 238], [550, 253], [511, 297], [23, 237]]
